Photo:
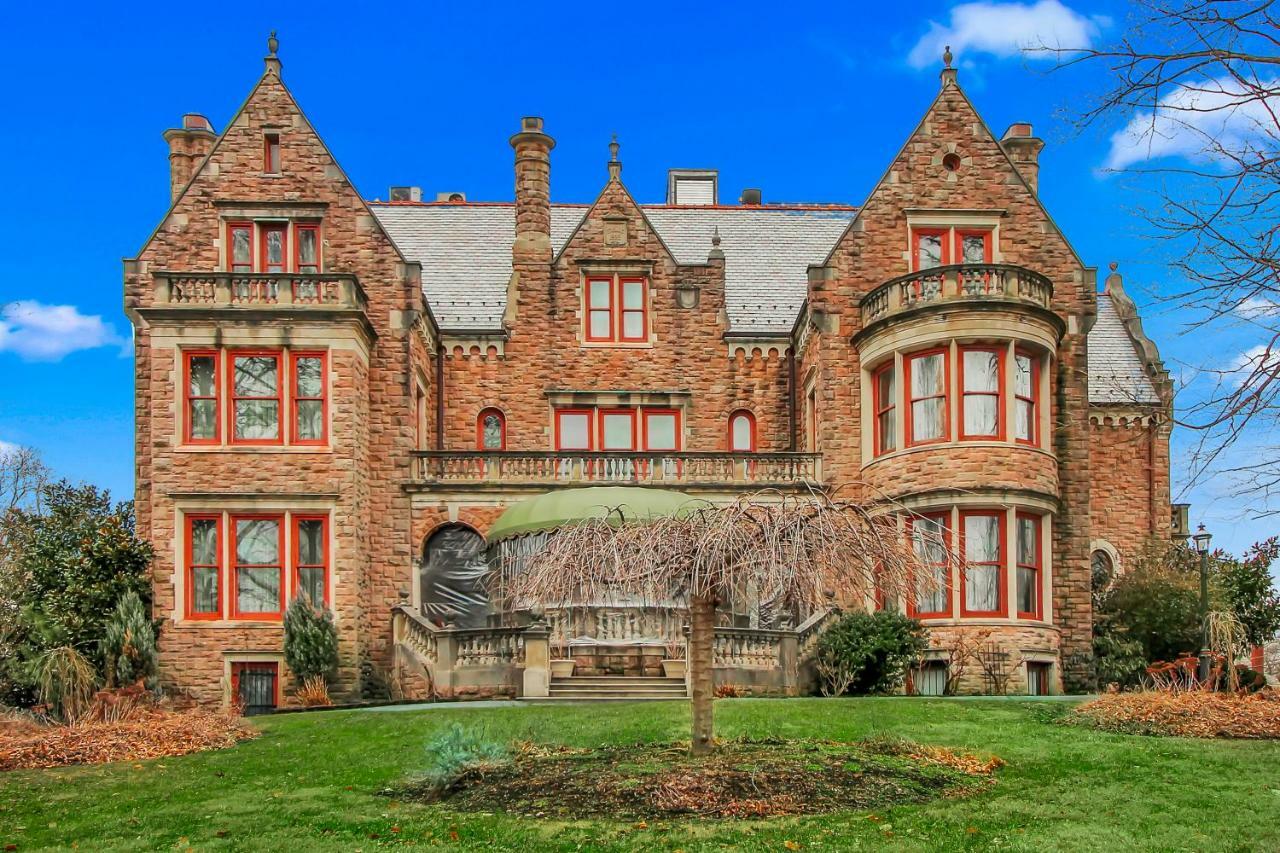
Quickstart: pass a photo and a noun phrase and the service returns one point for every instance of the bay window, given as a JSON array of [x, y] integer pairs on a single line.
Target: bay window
[[1026, 397], [616, 309], [930, 539], [885, 404], [927, 404], [982, 540], [1028, 566], [257, 386], [258, 569], [981, 400], [255, 398]]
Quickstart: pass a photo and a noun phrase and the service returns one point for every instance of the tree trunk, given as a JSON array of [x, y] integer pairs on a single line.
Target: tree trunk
[[702, 633]]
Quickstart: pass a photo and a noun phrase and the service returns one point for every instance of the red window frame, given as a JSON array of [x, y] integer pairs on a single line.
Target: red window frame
[[264, 229], [999, 393], [560, 413], [1034, 400], [502, 428], [645, 414], [601, 414], [616, 309], [239, 666], [420, 417], [912, 609], [908, 419], [235, 566], [187, 397], [1002, 580], [233, 398], [298, 230], [880, 407], [958, 243], [812, 401], [271, 153], [189, 609], [1036, 567], [623, 310], [232, 227], [297, 564], [607, 310], [751, 431], [942, 233], [295, 398]]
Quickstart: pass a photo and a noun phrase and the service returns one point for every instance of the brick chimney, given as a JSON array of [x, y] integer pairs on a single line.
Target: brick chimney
[[1024, 148], [188, 146], [533, 193]]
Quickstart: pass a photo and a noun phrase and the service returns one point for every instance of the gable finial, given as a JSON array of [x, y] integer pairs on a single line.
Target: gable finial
[[615, 165], [272, 61], [273, 43], [716, 252], [715, 236], [948, 70], [947, 57]]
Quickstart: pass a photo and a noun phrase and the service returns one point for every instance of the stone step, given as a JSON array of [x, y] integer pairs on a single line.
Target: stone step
[[615, 679], [640, 697], [607, 690]]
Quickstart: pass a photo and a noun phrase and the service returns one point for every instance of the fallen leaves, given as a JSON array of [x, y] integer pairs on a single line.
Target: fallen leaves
[[1193, 713]]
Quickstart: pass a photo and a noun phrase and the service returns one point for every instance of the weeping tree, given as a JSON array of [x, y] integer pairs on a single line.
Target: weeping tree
[[797, 550]]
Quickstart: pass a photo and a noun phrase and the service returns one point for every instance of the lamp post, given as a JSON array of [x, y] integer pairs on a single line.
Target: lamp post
[[1202, 540]]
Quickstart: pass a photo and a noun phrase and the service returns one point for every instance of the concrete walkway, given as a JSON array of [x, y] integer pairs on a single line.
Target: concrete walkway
[[435, 706]]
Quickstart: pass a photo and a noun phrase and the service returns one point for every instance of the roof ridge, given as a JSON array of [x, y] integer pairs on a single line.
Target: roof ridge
[[743, 208]]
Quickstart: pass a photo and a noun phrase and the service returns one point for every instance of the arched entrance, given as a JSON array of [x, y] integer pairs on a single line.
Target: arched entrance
[[451, 578]]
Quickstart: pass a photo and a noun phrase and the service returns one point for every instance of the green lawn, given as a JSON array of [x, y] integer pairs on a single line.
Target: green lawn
[[311, 782]]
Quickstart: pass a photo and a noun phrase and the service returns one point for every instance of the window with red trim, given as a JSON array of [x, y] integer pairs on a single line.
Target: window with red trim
[[491, 430], [811, 420], [271, 249], [982, 542], [661, 429], [240, 246], [972, 246], [884, 389], [930, 536], [420, 417], [1030, 576], [742, 432], [202, 406], [926, 381], [981, 393], [618, 429], [204, 566], [255, 397], [311, 558], [309, 397], [617, 309], [929, 248], [271, 153], [306, 248], [573, 429], [257, 578], [1026, 398]]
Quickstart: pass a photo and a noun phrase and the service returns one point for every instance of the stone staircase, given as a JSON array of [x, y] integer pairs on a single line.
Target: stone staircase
[[613, 688]]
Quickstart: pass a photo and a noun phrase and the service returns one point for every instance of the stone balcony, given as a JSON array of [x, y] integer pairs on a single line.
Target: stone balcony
[[982, 283], [273, 291], [542, 470]]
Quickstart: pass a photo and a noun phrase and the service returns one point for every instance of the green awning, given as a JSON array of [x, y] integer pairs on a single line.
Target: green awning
[[567, 506]]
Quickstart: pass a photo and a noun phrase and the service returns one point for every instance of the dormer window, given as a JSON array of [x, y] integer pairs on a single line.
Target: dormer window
[[271, 153], [273, 246], [617, 309], [939, 247]]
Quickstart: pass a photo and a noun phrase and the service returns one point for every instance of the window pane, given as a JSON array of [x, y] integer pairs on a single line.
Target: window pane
[[1022, 376], [927, 537], [204, 542], [600, 293], [491, 432], [310, 420], [632, 324], [255, 376], [980, 415], [307, 378], [740, 432], [574, 431], [981, 371], [258, 590], [632, 295], [311, 542], [618, 432], [1027, 590], [257, 419], [888, 425], [982, 538], [204, 592], [926, 419], [311, 583], [928, 250], [258, 541], [884, 388], [204, 418], [1025, 420], [660, 432], [981, 590], [307, 249], [1027, 553], [202, 376], [927, 377], [600, 324], [974, 249], [241, 241], [275, 250]]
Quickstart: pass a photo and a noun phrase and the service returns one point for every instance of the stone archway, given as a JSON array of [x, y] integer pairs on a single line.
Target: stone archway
[[451, 577]]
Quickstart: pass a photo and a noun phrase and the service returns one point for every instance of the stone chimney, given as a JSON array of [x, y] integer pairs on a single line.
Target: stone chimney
[[533, 193], [188, 146], [1023, 148]]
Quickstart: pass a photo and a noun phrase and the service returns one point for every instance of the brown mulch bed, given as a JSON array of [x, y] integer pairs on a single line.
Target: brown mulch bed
[[742, 779], [1192, 713], [146, 733]]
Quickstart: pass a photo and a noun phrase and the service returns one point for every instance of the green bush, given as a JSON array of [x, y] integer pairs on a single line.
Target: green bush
[[129, 644], [310, 640], [456, 750], [868, 652]]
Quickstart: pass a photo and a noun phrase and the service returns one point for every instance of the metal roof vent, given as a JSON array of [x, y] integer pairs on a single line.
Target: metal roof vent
[[406, 194], [693, 186], [751, 196], [455, 197]]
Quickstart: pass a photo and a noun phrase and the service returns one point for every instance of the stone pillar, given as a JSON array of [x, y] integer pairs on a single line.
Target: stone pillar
[[188, 146], [537, 661], [789, 663], [533, 193]]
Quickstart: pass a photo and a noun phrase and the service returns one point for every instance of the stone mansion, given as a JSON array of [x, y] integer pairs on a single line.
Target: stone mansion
[[343, 398]]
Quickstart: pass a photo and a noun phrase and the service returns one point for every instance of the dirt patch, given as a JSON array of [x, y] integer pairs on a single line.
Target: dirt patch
[[1191, 713], [743, 779]]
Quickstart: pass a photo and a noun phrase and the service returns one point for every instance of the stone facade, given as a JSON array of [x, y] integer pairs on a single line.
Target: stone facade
[[403, 390]]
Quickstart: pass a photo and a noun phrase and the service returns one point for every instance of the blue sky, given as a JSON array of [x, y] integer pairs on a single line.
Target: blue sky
[[806, 101]]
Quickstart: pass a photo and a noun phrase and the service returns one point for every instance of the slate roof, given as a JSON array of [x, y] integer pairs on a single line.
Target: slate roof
[[1116, 372], [465, 252]]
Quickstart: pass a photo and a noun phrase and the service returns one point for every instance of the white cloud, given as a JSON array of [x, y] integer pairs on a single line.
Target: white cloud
[[7, 447], [1007, 29], [1215, 117], [1258, 307], [1259, 359], [39, 332]]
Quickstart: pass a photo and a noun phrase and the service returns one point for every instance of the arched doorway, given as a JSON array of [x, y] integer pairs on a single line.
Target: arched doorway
[[451, 577]]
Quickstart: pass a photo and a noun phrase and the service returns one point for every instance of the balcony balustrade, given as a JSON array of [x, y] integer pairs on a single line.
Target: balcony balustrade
[[995, 282], [570, 468], [258, 290]]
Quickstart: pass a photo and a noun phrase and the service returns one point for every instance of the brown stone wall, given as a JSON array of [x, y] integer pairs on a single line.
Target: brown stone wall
[[1129, 500]]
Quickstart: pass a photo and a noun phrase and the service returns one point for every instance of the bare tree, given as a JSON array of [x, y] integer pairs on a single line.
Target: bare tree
[[22, 475], [766, 546], [1200, 80]]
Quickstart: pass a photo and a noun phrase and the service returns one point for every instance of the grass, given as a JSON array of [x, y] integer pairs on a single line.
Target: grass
[[312, 781]]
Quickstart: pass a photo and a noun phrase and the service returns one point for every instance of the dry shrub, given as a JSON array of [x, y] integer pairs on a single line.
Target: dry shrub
[[314, 692], [148, 732], [65, 683], [730, 691], [1188, 713]]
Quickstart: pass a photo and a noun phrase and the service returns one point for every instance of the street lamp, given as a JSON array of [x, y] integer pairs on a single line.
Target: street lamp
[[1202, 539]]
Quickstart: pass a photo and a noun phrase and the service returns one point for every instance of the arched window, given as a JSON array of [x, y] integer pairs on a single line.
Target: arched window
[[451, 577], [491, 430], [742, 432], [1103, 569]]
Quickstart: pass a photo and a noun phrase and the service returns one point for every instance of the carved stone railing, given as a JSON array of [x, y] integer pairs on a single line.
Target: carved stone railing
[[258, 290], [487, 647], [998, 282], [417, 633], [473, 660], [749, 648], [550, 468], [811, 629]]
